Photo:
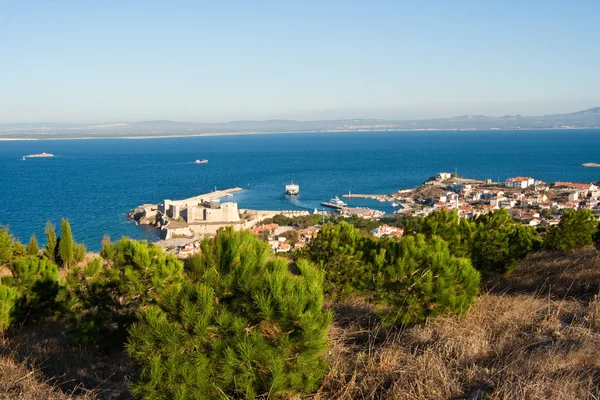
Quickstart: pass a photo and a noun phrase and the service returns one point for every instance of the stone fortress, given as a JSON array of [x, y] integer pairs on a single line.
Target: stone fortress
[[202, 215]]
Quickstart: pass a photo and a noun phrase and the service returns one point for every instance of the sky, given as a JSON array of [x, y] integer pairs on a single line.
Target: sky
[[212, 61]]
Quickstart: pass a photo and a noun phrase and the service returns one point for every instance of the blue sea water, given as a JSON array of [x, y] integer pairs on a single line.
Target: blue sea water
[[94, 183]]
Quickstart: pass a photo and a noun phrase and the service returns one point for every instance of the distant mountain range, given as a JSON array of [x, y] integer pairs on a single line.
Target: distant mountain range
[[577, 120]]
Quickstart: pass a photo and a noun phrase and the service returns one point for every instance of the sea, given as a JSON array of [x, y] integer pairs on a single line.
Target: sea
[[96, 182]]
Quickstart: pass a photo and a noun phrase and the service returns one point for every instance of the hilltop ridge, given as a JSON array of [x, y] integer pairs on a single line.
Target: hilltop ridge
[[582, 119]]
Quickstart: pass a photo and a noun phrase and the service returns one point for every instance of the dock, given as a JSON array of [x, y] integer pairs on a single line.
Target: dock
[[378, 197]]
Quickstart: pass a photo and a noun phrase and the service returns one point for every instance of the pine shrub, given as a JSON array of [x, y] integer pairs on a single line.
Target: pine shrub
[[339, 250], [243, 325], [104, 297], [51, 241], [6, 246], [37, 281], [424, 280], [575, 230], [8, 300], [32, 247]]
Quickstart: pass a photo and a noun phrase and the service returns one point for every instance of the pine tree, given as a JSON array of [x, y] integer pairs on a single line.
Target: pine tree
[[499, 242], [32, 247], [66, 245], [6, 246], [575, 230], [241, 326], [423, 281], [37, 281], [340, 252], [8, 300], [51, 241], [104, 297]]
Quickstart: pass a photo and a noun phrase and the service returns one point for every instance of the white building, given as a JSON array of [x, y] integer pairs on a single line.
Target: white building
[[520, 182]]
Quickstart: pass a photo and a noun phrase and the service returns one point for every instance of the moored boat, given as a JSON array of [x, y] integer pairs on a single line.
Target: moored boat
[[335, 202]]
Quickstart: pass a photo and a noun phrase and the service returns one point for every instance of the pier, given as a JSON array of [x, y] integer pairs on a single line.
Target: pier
[[379, 197]]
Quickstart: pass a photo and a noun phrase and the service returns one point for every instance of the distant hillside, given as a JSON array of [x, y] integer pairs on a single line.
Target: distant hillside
[[576, 120]]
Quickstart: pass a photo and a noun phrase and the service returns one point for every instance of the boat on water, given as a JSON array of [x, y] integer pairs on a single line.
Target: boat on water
[[335, 202], [292, 189], [201, 161], [40, 155], [23, 158], [394, 204]]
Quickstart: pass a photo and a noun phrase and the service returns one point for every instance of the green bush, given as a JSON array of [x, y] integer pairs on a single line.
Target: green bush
[[340, 252], [575, 230], [499, 243], [103, 297], [37, 282], [6, 246], [8, 300], [241, 326], [494, 241], [424, 280]]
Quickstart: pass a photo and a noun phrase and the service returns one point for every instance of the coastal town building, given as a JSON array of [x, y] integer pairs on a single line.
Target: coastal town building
[[584, 187], [520, 182], [387, 231]]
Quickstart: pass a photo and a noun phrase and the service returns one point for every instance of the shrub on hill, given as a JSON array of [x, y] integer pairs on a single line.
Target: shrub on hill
[[339, 251], [494, 241], [8, 300], [241, 326], [37, 282], [575, 230], [424, 280], [104, 297], [499, 242], [412, 279]]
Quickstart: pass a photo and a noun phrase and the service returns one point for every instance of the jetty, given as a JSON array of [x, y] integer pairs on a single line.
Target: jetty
[[378, 197]]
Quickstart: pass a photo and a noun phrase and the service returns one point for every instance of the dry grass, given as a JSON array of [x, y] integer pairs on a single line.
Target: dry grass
[[19, 382], [64, 365], [571, 275], [534, 336]]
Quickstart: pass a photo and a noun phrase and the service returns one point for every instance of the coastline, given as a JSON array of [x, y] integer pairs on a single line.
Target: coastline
[[212, 134]]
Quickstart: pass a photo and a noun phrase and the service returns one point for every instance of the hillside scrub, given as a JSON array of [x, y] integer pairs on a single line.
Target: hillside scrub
[[575, 230], [103, 298], [521, 340], [411, 279], [494, 242], [243, 325]]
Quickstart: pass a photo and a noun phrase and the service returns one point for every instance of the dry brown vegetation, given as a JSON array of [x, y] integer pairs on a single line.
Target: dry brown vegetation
[[42, 353], [533, 335]]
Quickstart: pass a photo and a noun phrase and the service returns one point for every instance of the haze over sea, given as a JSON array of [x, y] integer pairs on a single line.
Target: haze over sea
[[95, 183]]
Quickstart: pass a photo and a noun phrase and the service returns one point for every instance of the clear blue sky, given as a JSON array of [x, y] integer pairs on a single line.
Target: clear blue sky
[[206, 61]]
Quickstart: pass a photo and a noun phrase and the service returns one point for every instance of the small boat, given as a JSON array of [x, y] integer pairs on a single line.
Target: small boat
[[23, 158], [201, 162], [394, 204], [334, 203], [292, 189]]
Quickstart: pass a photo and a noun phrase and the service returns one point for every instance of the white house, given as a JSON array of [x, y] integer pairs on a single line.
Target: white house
[[520, 182]]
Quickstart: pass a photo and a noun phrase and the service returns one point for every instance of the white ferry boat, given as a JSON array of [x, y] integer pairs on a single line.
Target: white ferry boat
[[292, 189], [334, 203]]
